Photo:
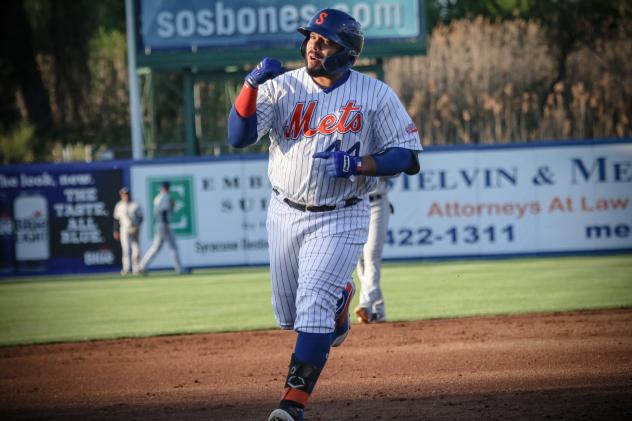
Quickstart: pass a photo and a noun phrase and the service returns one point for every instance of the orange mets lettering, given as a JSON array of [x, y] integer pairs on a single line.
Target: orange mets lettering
[[321, 18], [299, 123], [350, 121]]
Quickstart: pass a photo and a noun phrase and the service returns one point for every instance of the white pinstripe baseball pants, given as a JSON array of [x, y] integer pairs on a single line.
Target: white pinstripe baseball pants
[[370, 264], [312, 257], [129, 242]]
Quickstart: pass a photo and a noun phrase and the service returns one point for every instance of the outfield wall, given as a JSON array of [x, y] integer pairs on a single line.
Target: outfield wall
[[486, 201]]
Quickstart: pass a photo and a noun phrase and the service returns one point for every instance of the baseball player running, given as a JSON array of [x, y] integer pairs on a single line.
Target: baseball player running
[[163, 208], [371, 307], [332, 131], [127, 219]]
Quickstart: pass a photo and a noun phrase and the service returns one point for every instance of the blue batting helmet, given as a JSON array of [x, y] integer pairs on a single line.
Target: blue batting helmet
[[340, 28]]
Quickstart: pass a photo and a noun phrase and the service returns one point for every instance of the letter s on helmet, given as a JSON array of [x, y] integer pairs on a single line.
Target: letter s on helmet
[[340, 28]]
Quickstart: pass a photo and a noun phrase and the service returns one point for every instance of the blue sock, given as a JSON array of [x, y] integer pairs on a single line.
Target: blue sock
[[313, 348]]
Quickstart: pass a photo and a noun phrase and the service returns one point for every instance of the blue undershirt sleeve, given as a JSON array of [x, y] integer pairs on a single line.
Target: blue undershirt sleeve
[[395, 160], [242, 131]]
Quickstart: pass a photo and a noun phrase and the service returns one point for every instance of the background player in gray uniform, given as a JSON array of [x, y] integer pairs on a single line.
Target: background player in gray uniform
[[332, 130], [127, 219], [163, 209], [371, 308]]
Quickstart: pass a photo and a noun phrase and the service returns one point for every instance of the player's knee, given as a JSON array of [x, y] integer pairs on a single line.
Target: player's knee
[[315, 311]]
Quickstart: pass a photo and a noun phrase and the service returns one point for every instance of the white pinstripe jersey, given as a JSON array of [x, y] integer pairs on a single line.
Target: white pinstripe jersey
[[362, 116]]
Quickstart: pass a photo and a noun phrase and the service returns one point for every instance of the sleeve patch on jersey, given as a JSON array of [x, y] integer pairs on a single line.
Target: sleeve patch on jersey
[[411, 128]]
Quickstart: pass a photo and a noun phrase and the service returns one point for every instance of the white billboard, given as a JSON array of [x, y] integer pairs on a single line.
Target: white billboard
[[472, 202], [220, 210], [546, 199]]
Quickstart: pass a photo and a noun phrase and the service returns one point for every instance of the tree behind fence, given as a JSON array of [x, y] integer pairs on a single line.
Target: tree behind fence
[[481, 82], [488, 82]]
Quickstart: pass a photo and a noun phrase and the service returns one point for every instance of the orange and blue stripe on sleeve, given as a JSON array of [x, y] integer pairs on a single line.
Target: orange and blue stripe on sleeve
[[242, 120], [246, 102]]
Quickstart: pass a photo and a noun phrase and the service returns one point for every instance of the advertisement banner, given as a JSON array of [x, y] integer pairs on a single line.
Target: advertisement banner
[[197, 24], [58, 219], [496, 201], [219, 210], [515, 200], [536, 199]]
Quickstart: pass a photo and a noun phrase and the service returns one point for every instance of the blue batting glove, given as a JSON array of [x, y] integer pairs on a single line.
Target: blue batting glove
[[340, 163], [269, 68]]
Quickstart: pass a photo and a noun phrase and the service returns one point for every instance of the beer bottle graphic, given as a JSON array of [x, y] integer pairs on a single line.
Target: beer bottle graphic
[[6, 235], [32, 246]]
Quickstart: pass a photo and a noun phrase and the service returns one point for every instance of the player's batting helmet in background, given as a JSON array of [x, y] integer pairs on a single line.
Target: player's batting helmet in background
[[340, 28]]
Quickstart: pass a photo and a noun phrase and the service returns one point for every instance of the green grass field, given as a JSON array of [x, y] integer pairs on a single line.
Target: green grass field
[[58, 309]]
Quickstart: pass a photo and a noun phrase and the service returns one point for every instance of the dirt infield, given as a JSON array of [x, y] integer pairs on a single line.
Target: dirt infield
[[571, 366]]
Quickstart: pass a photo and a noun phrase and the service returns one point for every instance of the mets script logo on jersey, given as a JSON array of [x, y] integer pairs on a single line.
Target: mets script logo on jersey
[[350, 121]]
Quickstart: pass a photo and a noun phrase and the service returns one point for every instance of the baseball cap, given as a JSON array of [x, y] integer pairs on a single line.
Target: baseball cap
[[124, 190], [165, 184]]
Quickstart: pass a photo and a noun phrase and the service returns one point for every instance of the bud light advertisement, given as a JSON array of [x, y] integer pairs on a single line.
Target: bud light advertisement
[[58, 219]]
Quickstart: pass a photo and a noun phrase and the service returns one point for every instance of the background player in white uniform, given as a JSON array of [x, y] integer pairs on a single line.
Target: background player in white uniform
[[331, 131], [127, 219], [163, 208], [371, 308]]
